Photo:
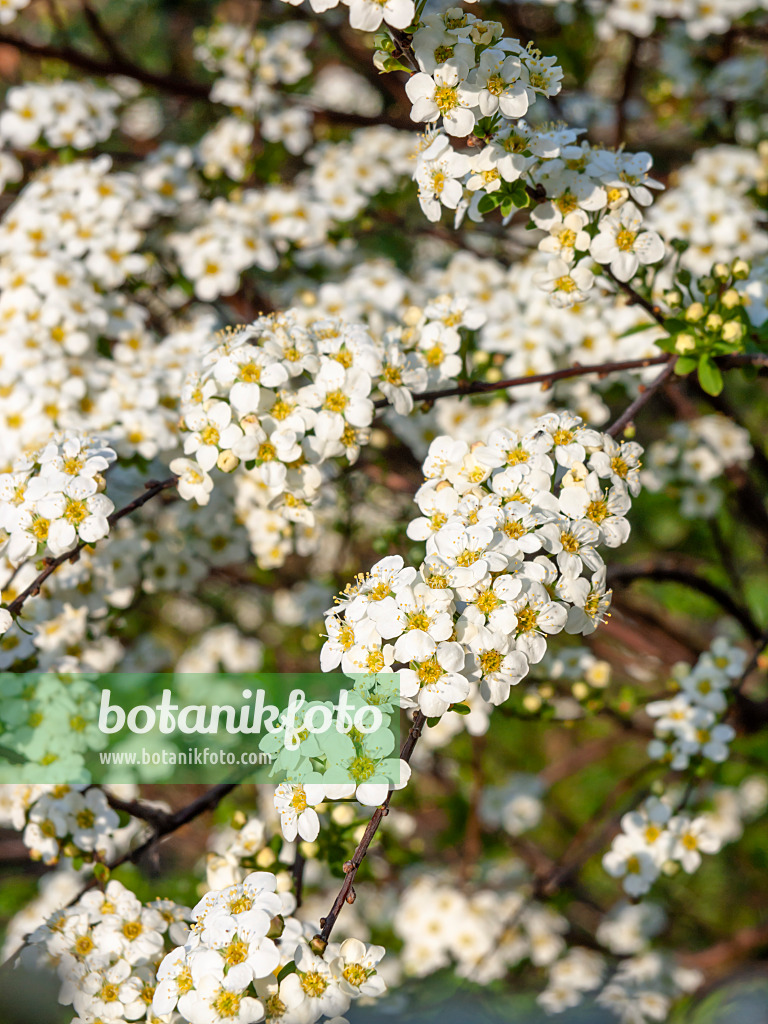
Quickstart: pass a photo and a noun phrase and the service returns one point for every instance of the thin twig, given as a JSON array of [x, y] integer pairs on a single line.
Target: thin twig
[[352, 866], [646, 394], [665, 573], [152, 488]]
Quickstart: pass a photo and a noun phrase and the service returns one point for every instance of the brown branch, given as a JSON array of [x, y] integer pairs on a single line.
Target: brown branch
[[152, 488], [98, 29], [164, 825], [663, 573], [103, 68], [647, 392], [319, 942], [480, 387]]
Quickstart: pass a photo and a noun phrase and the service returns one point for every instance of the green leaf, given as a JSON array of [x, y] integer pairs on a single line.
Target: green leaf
[[685, 365], [675, 325], [289, 968], [101, 872], [461, 709], [488, 203], [710, 378]]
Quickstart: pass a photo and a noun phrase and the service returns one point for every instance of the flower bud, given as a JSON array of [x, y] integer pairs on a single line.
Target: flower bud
[[265, 858], [733, 331], [227, 461], [713, 322], [685, 343], [694, 312], [731, 299], [741, 269], [721, 271]]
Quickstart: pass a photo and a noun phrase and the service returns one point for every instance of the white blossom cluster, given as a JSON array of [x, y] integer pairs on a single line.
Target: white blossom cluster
[[483, 934], [691, 460], [249, 65], [223, 238], [105, 949], [63, 114], [718, 181], [70, 821], [52, 498], [282, 399], [511, 527], [241, 940], [486, 932], [688, 725], [49, 719], [468, 72], [652, 837], [644, 987], [639, 17]]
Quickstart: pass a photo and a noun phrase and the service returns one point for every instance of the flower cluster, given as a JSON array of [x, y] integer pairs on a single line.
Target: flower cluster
[[105, 948], [653, 836], [687, 725], [242, 938], [64, 114], [356, 759], [230, 235], [691, 461], [718, 180], [282, 399], [249, 65], [475, 80], [49, 719], [70, 821], [512, 528], [484, 933], [52, 499], [470, 71]]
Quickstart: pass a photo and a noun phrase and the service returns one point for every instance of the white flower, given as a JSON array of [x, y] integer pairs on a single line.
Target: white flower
[[497, 664], [623, 244], [295, 804], [630, 860], [536, 615], [194, 482], [443, 94], [222, 1000], [496, 86], [566, 284], [691, 838], [353, 965], [435, 681], [367, 15], [438, 173]]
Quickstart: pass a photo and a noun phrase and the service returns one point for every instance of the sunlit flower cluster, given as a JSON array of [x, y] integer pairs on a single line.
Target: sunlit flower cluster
[[52, 498], [689, 725], [242, 938], [512, 526], [281, 399], [76, 114]]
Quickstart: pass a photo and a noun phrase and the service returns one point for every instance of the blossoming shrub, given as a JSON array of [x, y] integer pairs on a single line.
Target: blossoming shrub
[[265, 404]]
